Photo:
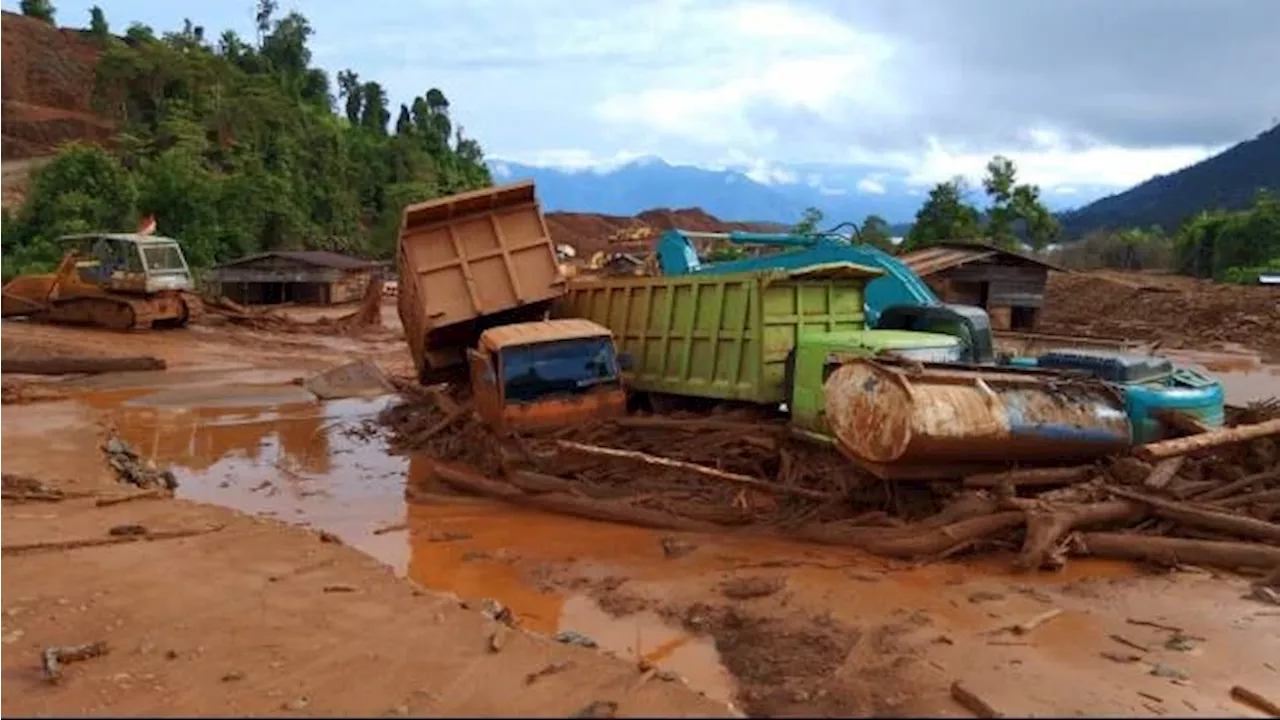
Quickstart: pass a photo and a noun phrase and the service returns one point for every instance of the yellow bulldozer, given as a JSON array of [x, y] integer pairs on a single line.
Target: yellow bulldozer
[[119, 281]]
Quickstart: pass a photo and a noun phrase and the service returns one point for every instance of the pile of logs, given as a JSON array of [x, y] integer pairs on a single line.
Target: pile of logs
[[1211, 497]]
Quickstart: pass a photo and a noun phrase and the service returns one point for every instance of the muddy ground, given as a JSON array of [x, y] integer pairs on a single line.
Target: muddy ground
[[263, 617]]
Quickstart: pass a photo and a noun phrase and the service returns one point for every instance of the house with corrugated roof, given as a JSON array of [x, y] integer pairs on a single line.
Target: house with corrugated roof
[[309, 277], [1009, 285]]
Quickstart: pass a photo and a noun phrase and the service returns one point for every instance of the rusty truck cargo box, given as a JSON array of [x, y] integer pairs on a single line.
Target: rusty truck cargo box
[[472, 261]]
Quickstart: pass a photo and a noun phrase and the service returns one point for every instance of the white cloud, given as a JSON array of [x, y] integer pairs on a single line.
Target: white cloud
[[575, 159], [781, 56], [871, 186], [1050, 163]]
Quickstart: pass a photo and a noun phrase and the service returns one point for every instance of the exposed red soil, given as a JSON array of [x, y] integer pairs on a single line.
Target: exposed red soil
[[590, 232], [48, 81], [1179, 312]]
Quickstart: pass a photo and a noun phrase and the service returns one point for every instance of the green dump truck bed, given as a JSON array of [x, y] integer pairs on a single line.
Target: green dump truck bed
[[720, 336]]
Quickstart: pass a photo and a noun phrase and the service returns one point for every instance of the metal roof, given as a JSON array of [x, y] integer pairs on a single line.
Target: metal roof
[[320, 258], [528, 333], [947, 255]]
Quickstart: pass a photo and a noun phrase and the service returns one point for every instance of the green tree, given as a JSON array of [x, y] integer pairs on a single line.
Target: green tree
[[98, 24], [944, 216], [999, 186], [809, 221], [875, 232], [39, 9], [237, 149]]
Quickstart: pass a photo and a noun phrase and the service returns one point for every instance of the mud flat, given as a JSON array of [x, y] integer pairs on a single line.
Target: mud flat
[[262, 616], [205, 610]]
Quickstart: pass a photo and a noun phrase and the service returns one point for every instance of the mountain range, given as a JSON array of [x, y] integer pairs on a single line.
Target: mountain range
[[842, 192], [848, 192]]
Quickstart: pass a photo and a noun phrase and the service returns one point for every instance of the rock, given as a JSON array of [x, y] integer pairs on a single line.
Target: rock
[[573, 637], [1164, 671], [674, 547], [751, 587], [12, 637], [495, 610], [985, 596], [296, 704], [123, 530], [340, 588], [1180, 642], [328, 537], [598, 709], [233, 676], [497, 639]]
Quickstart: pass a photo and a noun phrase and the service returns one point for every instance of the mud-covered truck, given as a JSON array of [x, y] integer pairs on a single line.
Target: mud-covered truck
[[777, 337], [477, 276]]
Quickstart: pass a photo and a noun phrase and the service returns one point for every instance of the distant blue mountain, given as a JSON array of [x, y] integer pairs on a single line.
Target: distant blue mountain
[[841, 192]]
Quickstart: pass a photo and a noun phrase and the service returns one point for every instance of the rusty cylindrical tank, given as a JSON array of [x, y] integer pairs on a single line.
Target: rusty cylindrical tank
[[953, 419]]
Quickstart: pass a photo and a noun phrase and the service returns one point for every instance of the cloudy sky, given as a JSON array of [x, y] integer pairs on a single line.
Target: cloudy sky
[[1094, 92]]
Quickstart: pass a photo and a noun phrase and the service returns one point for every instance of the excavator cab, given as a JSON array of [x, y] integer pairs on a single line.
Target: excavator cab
[[134, 264]]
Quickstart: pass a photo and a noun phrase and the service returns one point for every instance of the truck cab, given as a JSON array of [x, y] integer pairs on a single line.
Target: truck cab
[[817, 355], [547, 374]]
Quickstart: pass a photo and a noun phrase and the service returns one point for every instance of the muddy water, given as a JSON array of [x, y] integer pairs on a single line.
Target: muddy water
[[268, 448], [272, 450], [1245, 377]]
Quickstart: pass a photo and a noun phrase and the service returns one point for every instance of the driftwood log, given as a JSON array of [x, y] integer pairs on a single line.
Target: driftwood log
[[1172, 551], [79, 365], [1153, 452]]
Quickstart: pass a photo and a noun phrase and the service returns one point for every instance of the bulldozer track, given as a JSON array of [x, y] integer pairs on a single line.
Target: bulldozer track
[[115, 313]]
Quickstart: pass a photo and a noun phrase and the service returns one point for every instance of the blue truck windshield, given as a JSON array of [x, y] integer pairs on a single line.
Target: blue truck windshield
[[564, 367]]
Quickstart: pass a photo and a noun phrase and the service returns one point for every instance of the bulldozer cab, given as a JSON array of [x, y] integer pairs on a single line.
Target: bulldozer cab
[[129, 263]]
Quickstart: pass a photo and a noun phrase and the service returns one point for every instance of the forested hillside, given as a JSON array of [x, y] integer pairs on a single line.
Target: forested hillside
[[1227, 181], [234, 145]]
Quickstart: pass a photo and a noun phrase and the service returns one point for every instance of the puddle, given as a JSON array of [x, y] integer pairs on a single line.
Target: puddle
[[292, 458], [1245, 377]]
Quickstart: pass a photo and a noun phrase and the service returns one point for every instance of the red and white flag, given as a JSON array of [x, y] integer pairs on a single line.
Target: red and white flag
[[147, 226]]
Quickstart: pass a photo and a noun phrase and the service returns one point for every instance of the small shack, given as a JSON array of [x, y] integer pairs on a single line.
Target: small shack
[[309, 277], [1009, 285]]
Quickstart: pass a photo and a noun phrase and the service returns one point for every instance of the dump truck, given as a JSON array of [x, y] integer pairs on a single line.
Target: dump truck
[[477, 275], [118, 281], [778, 337]]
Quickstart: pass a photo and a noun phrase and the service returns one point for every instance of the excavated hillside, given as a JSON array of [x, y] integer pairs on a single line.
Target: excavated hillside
[[589, 232], [48, 80]]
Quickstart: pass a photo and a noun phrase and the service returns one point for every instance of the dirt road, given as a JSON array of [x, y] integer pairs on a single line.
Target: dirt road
[[778, 627]]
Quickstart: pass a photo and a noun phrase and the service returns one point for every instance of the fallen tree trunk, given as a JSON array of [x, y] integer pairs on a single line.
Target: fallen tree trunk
[[1163, 449], [903, 543], [609, 511], [1172, 551], [1209, 519], [1224, 491], [1031, 476], [1047, 526], [79, 365], [1265, 496], [694, 467]]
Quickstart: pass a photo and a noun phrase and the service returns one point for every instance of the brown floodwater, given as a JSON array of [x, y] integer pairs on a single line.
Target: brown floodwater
[[259, 444]]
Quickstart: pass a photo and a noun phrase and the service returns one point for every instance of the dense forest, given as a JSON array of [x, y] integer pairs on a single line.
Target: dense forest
[[235, 146], [1227, 181]]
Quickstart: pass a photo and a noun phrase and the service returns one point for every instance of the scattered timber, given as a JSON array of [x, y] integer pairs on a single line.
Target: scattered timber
[[80, 365]]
